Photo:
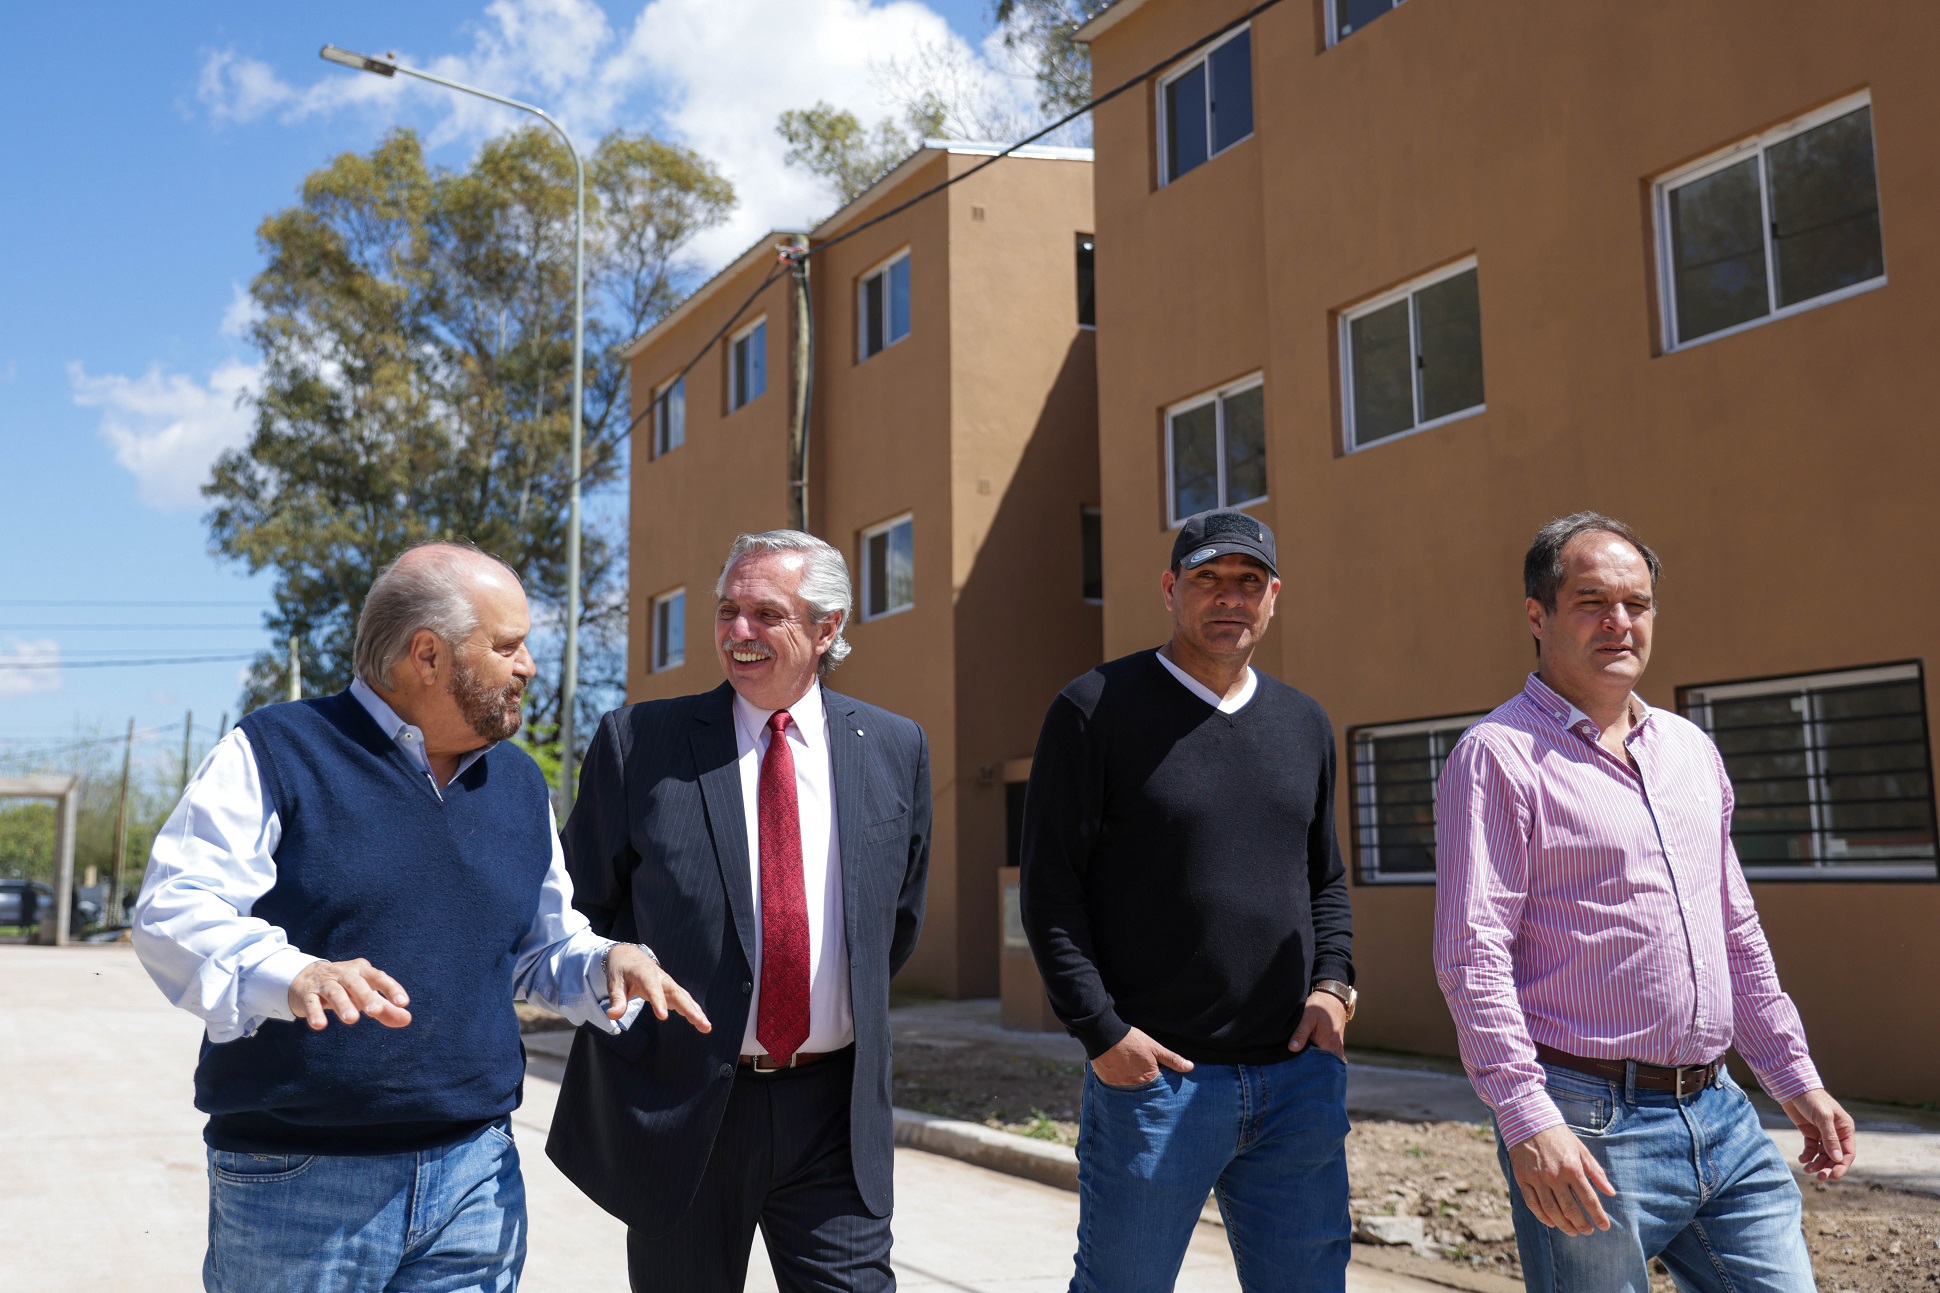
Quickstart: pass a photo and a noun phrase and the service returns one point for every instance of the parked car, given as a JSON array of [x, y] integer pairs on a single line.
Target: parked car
[[24, 902], [28, 902]]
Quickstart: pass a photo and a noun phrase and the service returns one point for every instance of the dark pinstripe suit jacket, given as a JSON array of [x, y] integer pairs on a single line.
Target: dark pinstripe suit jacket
[[658, 849]]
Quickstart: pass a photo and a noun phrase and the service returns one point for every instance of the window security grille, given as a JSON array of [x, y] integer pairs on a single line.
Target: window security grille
[[1395, 768], [1832, 772]]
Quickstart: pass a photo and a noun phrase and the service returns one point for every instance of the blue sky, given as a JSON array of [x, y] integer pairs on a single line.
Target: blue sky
[[145, 144]]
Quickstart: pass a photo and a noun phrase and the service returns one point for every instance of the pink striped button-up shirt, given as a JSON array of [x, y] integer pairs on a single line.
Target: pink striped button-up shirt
[[1598, 908]]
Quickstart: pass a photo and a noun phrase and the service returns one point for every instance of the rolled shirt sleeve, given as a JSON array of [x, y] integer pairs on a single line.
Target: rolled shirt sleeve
[[211, 862], [1482, 831]]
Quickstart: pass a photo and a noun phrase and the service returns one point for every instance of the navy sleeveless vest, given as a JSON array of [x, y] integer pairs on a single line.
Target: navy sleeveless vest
[[438, 893]]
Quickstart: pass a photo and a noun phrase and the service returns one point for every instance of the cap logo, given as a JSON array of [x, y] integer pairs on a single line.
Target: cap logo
[[1201, 555]]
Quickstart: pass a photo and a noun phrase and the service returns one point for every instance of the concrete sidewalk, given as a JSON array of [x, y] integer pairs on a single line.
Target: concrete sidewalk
[[1898, 1148], [105, 1188]]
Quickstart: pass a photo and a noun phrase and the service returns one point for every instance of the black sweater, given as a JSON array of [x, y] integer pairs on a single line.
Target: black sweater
[[1181, 873]]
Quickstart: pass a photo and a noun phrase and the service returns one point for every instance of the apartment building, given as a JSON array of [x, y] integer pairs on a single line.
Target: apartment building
[[951, 454], [1409, 279]]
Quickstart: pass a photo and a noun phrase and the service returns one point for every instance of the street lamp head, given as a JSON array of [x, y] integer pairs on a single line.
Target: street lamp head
[[361, 62]]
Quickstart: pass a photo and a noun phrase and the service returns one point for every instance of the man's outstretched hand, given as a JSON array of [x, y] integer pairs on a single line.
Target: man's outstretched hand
[[1828, 1132], [631, 973], [350, 990]]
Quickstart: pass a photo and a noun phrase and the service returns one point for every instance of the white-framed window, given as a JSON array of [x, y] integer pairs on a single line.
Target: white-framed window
[[1206, 105], [668, 649], [1832, 772], [1345, 17], [1411, 358], [1091, 554], [882, 305], [889, 567], [748, 364], [670, 416], [1395, 767], [1778, 223], [1215, 449]]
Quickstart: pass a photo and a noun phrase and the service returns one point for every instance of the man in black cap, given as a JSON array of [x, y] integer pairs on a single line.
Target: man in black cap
[[1185, 900]]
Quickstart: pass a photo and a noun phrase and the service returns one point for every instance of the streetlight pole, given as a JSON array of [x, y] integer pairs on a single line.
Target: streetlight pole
[[569, 675]]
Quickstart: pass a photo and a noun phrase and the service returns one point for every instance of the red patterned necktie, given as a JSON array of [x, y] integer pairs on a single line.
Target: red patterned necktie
[[781, 1022]]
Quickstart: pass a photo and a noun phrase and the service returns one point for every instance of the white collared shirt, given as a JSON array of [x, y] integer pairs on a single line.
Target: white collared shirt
[[1224, 704], [831, 1021], [216, 856]]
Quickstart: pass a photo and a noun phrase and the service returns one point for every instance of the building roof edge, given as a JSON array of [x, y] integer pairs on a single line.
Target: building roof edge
[[705, 292], [1105, 21]]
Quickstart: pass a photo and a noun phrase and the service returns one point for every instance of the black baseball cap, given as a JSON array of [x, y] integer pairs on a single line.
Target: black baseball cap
[[1206, 535]]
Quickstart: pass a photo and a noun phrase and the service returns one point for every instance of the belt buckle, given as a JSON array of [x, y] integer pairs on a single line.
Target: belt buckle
[[758, 1066]]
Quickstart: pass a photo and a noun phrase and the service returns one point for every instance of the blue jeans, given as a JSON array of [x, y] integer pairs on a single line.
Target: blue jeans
[[447, 1220], [1699, 1185], [1269, 1139]]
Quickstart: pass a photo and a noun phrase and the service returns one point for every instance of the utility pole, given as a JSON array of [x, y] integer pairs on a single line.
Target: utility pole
[[113, 914], [188, 725], [296, 671], [801, 354]]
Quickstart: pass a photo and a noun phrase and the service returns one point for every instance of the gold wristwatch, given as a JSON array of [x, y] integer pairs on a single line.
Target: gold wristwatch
[[1335, 988]]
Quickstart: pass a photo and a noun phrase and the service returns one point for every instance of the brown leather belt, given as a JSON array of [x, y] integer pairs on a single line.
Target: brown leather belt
[[766, 1063], [1680, 1082]]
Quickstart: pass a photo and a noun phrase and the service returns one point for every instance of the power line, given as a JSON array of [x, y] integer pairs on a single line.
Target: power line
[[118, 605], [115, 664], [75, 628]]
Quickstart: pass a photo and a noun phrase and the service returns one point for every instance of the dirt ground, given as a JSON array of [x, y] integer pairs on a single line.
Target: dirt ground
[[1862, 1237]]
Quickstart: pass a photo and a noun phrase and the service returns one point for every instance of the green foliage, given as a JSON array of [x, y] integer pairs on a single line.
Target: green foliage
[[416, 336], [26, 839], [833, 145], [1040, 31]]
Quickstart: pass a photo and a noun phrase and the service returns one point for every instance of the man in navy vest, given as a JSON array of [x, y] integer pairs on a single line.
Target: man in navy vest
[[770, 838], [382, 853]]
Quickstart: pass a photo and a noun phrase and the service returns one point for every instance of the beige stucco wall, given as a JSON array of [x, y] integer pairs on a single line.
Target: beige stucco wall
[[1787, 474]]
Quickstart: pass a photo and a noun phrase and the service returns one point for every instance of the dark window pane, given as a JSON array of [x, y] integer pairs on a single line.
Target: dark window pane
[[1874, 761], [1382, 366], [1185, 122], [1450, 318], [1356, 14], [902, 566], [878, 561], [1091, 548], [1718, 251], [1087, 284], [1232, 91], [1404, 804], [1825, 208], [1245, 446], [899, 300], [872, 315], [1195, 461], [739, 387]]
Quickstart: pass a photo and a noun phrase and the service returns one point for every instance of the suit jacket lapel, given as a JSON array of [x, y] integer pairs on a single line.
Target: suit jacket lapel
[[716, 757], [848, 766]]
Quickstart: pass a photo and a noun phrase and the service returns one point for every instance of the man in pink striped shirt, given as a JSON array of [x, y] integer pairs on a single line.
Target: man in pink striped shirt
[[1598, 947]]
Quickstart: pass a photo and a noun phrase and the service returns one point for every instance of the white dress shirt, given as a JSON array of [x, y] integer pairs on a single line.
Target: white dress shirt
[[216, 856], [831, 1021], [1224, 704]]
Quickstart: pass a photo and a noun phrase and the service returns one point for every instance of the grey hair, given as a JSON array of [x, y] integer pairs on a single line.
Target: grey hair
[[825, 582], [433, 592]]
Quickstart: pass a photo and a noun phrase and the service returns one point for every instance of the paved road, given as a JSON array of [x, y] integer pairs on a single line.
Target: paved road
[[104, 1188]]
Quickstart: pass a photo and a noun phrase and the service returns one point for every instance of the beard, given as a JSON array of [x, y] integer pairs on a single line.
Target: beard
[[492, 712]]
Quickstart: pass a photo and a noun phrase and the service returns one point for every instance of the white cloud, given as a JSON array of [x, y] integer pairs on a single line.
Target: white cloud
[[167, 428], [712, 76], [44, 675], [241, 312]]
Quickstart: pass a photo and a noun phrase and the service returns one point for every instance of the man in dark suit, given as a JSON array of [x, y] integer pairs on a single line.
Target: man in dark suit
[[769, 841]]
